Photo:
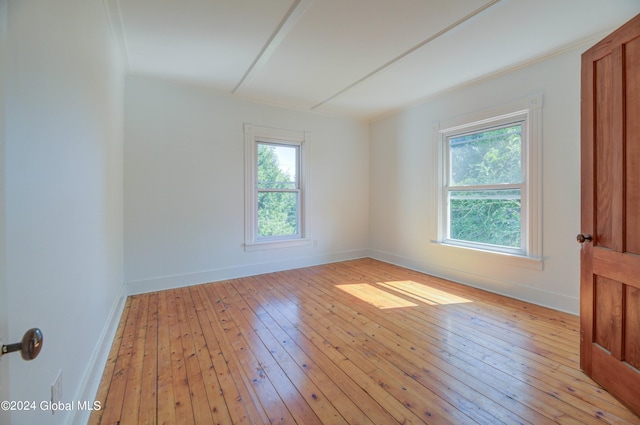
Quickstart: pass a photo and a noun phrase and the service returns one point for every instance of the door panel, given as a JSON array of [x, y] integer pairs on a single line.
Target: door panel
[[632, 327], [610, 262], [632, 93], [608, 318], [604, 151]]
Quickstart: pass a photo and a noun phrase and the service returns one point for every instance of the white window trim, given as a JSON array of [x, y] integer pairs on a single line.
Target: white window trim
[[531, 110], [252, 135]]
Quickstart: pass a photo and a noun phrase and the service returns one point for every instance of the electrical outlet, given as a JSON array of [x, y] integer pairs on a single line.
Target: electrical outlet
[[56, 390]]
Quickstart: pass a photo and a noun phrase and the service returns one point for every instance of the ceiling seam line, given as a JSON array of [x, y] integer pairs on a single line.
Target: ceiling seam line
[[408, 52], [271, 42]]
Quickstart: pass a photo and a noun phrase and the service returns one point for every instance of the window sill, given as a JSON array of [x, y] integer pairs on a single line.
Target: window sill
[[275, 244], [529, 262]]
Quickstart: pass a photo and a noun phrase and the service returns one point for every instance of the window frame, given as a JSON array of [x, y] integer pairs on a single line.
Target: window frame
[[528, 113], [255, 135]]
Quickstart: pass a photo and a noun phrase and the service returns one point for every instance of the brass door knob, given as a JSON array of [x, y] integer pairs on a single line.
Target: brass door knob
[[29, 347]]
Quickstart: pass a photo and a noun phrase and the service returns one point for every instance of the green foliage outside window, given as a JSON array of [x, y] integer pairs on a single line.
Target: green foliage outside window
[[277, 197], [490, 216]]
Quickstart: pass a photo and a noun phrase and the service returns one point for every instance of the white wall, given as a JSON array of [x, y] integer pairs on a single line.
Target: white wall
[[184, 186], [63, 171], [403, 214]]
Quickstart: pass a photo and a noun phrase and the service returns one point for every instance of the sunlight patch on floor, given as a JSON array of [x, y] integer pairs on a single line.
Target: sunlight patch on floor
[[375, 296], [424, 293], [399, 294]]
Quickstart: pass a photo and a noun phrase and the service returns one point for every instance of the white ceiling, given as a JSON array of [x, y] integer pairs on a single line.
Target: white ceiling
[[362, 58]]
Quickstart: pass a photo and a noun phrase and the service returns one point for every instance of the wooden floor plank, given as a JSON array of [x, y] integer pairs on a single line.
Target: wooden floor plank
[[351, 363], [149, 384], [165, 400], [110, 366], [359, 341], [202, 413], [252, 367], [118, 383], [242, 402], [291, 389], [325, 383], [132, 395], [180, 378], [206, 354]]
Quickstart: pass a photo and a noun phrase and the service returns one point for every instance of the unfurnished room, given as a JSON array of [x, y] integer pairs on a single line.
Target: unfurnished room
[[319, 212]]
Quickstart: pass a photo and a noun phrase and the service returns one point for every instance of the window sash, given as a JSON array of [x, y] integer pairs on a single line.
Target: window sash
[[486, 129], [280, 236], [295, 182], [485, 242]]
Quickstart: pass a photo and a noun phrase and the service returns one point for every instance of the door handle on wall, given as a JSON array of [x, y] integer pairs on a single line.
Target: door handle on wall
[[29, 347]]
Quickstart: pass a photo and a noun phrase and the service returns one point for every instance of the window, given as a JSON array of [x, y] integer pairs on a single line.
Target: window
[[275, 188], [278, 190], [489, 186]]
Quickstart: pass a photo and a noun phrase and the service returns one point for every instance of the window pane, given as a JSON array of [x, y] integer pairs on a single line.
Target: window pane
[[487, 157], [277, 214], [487, 216], [277, 166]]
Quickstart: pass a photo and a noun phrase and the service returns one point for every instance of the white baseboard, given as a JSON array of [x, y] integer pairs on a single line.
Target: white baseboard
[[520, 292], [93, 374], [178, 281]]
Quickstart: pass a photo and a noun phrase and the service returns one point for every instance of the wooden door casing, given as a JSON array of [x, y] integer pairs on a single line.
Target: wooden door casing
[[610, 196]]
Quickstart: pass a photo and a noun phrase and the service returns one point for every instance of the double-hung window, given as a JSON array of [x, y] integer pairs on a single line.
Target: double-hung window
[[276, 190], [489, 185]]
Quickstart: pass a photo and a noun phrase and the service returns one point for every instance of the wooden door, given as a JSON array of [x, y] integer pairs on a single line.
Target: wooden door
[[610, 221]]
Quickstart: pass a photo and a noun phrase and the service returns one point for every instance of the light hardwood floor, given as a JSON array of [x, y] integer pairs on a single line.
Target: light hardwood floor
[[356, 342]]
